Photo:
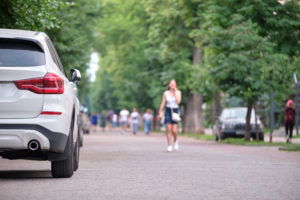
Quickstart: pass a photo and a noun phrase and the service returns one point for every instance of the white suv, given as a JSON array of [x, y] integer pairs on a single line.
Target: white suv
[[38, 105]]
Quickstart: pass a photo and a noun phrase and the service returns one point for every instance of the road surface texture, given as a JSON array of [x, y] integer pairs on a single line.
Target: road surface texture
[[115, 166]]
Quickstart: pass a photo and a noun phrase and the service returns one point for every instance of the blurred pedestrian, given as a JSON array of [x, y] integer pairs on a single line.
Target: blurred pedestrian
[[124, 115], [95, 121], [289, 119], [109, 116], [103, 121], [114, 120], [148, 118], [171, 100], [134, 119]]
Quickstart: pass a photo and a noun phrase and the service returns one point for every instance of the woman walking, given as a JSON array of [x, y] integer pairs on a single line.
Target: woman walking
[[289, 120], [171, 100]]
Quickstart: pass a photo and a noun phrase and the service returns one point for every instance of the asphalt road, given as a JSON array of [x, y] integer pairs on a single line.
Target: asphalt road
[[115, 166]]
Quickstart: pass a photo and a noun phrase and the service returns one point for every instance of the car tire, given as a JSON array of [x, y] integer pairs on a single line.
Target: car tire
[[222, 136], [219, 137], [65, 168], [76, 155], [261, 137], [216, 138], [81, 142]]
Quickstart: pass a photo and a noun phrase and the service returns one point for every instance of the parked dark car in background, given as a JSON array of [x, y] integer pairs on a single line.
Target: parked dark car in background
[[232, 123]]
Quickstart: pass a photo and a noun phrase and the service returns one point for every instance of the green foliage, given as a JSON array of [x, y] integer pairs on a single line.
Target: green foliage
[[248, 48], [124, 72], [74, 39], [246, 66], [30, 14], [145, 44], [68, 23]]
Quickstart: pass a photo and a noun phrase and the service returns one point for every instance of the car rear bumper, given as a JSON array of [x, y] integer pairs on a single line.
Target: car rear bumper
[[17, 136], [232, 133]]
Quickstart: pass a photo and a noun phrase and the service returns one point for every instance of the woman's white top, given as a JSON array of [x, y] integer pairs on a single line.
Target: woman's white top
[[147, 116], [135, 116], [171, 101]]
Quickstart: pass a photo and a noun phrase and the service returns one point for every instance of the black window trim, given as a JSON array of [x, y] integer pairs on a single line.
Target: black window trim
[[17, 39]]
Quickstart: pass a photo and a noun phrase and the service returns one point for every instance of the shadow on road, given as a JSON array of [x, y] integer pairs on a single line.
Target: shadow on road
[[24, 174]]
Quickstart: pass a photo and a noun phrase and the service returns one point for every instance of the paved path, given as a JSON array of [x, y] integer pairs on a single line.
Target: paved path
[[115, 166]]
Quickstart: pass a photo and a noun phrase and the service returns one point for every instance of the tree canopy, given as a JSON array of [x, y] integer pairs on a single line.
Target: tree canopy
[[244, 49]]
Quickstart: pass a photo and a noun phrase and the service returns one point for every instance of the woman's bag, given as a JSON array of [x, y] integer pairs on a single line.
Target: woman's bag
[[175, 116]]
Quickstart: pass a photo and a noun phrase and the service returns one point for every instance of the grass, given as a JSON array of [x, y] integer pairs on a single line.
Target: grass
[[290, 147], [282, 146], [240, 141], [198, 136], [296, 136], [192, 135]]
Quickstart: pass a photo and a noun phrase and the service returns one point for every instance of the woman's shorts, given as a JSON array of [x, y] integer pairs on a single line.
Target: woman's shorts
[[168, 115]]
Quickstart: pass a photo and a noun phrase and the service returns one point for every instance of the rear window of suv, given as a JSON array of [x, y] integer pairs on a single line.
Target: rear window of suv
[[19, 53]]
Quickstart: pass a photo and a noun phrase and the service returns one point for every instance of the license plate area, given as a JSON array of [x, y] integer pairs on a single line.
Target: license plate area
[[7, 90], [241, 132]]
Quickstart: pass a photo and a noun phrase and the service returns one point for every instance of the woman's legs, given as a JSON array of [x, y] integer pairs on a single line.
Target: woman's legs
[[147, 125], [286, 130], [291, 131], [135, 127], [174, 132], [169, 134]]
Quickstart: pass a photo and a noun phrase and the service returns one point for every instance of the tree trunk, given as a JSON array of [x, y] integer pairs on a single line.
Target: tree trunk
[[192, 121], [271, 113], [248, 121], [217, 107], [256, 123]]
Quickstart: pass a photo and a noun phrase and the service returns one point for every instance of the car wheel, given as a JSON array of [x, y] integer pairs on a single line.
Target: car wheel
[[261, 137], [81, 141], [76, 156], [222, 136], [65, 168], [216, 138], [219, 136]]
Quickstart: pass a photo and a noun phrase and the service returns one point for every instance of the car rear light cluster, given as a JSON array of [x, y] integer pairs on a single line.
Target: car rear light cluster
[[49, 84], [50, 113]]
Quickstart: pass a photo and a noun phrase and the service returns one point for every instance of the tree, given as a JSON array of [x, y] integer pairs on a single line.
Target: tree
[[69, 24], [74, 39], [30, 15], [176, 47], [272, 22], [121, 41], [243, 63]]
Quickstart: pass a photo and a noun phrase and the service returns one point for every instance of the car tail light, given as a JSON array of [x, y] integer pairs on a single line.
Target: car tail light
[[49, 84], [50, 113]]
